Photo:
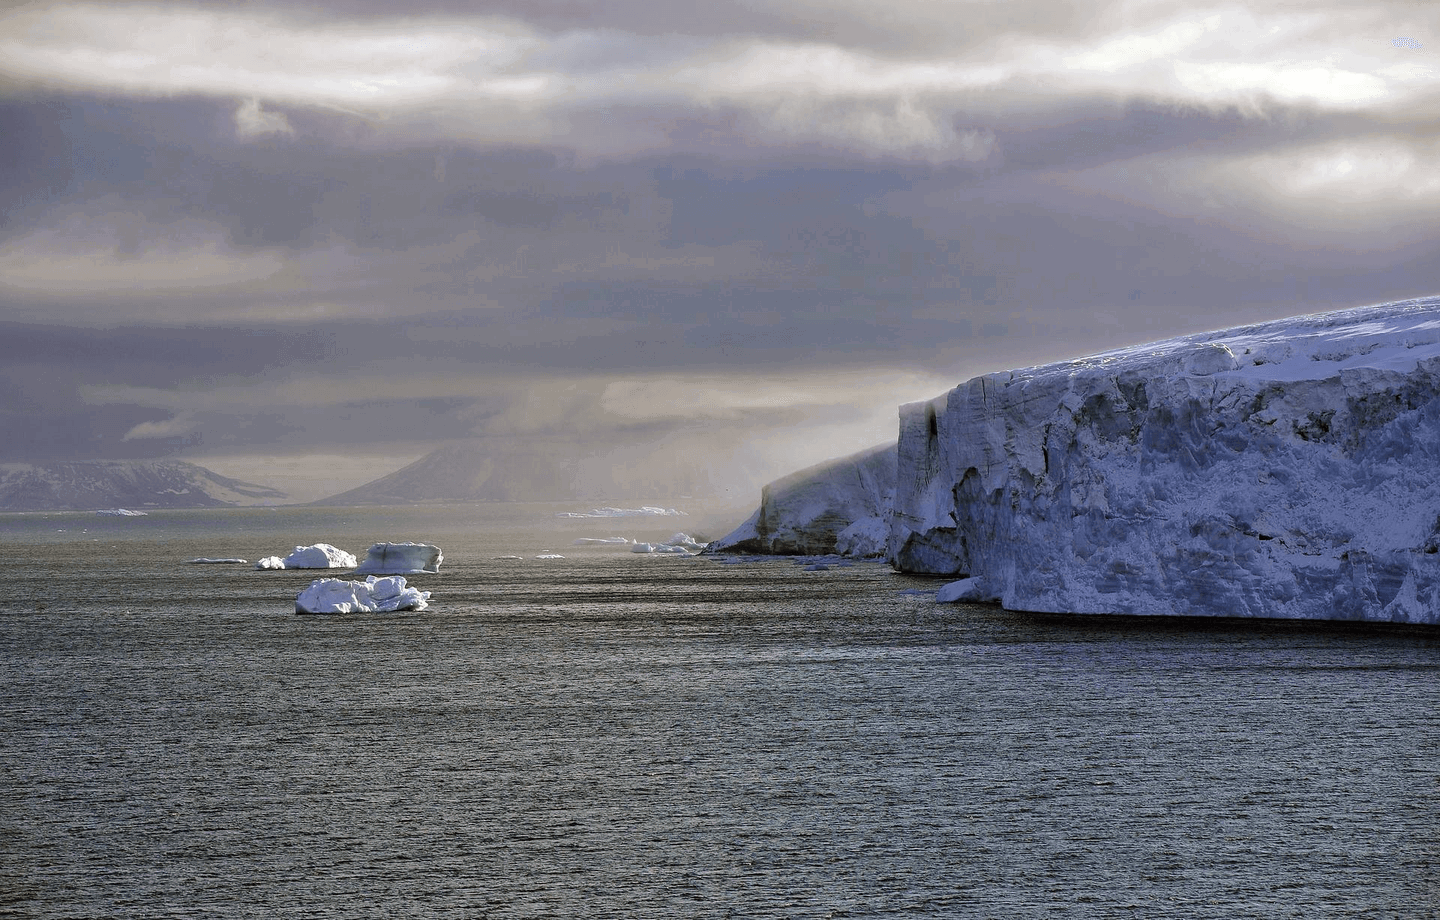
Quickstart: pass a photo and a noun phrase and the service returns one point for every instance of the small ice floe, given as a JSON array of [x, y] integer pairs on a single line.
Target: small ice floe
[[549, 555], [315, 556], [964, 591], [205, 560], [401, 559], [122, 512], [373, 595], [646, 511], [618, 541], [507, 557], [816, 567]]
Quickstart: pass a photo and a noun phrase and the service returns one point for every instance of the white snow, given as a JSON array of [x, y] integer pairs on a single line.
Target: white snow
[[646, 511], [373, 595], [1285, 469], [401, 559], [315, 556]]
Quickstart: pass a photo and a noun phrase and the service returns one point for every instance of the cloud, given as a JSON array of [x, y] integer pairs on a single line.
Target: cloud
[[901, 93], [252, 121], [119, 252], [176, 426]]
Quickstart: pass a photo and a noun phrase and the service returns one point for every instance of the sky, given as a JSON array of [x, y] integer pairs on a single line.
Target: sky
[[306, 243]]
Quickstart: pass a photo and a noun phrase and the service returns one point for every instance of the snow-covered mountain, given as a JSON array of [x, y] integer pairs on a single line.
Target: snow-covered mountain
[[134, 484], [1285, 469]]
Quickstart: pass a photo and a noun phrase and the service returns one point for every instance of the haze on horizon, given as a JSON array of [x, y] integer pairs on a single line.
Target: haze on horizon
[[305, 243]]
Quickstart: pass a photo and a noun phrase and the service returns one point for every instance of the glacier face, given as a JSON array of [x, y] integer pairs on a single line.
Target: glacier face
[[1286, 469], [841, 506]]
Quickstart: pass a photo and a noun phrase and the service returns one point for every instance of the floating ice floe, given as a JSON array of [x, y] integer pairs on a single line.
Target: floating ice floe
[[549, 556], [316, 556], [205, 560], [618, 541], [680, 544], [964, 591], [401, 559], [122, 512], [646, 511], [373, 595]]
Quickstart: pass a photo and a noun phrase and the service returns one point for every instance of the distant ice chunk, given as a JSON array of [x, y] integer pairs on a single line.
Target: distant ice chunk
[[373, 595], [619, 541], [205, 560], [401, 559], [681, 544], [316, 556], [549, 555], [646, 511], [122, 512]]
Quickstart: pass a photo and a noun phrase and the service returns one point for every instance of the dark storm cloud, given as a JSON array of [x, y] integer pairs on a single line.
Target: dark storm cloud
[[241, 226]]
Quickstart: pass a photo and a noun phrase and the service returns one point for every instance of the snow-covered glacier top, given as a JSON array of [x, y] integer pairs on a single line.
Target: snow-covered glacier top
[[1394, 337], [1281, 469]]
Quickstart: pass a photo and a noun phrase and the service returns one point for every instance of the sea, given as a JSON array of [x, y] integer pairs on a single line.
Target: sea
[[609, 734]]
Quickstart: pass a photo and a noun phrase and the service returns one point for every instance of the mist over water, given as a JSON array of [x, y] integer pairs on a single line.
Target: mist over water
[[612, 734]]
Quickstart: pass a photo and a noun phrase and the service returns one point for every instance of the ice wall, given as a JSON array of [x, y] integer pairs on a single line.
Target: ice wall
[[836, 507], [1288, 469]]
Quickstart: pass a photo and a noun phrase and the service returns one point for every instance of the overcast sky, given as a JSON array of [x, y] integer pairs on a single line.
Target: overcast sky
[[306, 242]]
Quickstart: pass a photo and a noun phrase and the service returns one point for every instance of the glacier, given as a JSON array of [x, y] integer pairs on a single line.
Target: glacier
[[1285, 469], [401, 559], [840, 506], [373, 595]]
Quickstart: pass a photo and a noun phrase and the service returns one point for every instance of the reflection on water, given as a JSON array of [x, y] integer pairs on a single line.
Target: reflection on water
[[619, 735]]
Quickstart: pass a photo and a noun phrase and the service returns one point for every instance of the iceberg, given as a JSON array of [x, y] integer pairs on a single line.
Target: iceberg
[[401, 559], [841, 506], [373, 595], [646, 511], [680, 544], [1284, 469], [316, 556]]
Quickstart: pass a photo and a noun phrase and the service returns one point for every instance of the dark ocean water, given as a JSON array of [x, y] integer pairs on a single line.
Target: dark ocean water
[[613, 735]]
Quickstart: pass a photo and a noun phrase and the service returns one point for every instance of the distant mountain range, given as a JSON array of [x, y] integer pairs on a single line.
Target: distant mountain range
[[536, 470], [140, 485]]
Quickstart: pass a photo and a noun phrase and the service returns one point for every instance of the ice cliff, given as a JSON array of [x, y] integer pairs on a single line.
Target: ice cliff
[[835, 507], [1287, 469]]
